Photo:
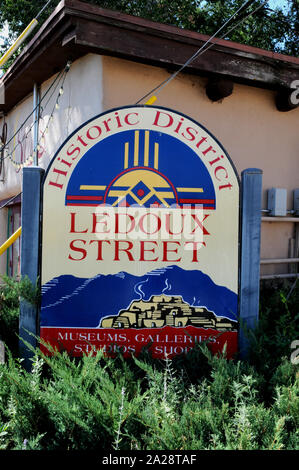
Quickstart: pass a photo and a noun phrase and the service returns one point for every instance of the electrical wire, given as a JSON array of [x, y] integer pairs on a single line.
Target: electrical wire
[[204, 47], [65, 70], [34, 109], [42, 10], [29, 158], [20, 142]]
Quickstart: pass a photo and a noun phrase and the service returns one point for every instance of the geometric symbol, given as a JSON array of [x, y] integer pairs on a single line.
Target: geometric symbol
[[140, 190]]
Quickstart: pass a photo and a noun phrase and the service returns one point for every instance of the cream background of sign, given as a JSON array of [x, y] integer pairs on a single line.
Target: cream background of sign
[[222, 244]]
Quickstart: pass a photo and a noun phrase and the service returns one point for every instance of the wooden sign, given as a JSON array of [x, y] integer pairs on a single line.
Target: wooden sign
[[140, 237]]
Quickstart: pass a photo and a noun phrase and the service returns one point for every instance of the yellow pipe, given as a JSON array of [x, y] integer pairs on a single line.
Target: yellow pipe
[[151, 100], [10, 241], [18, 42]]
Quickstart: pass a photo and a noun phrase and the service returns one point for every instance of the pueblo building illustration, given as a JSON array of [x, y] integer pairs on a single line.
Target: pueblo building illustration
[[163, 310]]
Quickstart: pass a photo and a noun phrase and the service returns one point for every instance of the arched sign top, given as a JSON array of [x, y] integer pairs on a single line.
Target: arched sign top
[[159, 119], [149, 168], [142, 201]]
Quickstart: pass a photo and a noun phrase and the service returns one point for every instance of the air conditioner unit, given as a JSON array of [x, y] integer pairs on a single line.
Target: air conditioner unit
[[277, 202]]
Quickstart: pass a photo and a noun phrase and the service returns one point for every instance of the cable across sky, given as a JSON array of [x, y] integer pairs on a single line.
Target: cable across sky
[[206, 46]]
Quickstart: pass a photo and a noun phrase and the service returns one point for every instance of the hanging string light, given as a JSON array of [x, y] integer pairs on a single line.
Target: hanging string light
[[55, 107], [28, 160]]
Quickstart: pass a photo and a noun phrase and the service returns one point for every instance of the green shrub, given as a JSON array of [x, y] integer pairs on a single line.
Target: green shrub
[[11, 291], [278, 326], [97, 403]]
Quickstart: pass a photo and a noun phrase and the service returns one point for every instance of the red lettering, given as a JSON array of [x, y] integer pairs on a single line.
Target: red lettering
[[107, 125], [219, 168], [167, 224], [203, 139], [216, 160], [167, 250], [55, 183], [141, 225], [188, 130], [65, 162], [81, 141], [143, 250], [179, 126], [117, 223], [118, 120], [158, 114], [95, 222], [195, 250], [125, 250], [98, 132], [100, 247], [209, 149], [76, 149], [200, 224], [73, 230], [127, 119], [226, 186]]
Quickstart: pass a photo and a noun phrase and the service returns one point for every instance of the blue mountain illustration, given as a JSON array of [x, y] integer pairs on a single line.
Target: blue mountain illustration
[[69, 301]]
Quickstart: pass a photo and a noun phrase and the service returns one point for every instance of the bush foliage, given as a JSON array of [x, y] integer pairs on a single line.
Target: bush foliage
[[196, 401]]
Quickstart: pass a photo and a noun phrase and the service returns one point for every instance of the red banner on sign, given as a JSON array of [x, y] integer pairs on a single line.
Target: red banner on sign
[[161, 342]]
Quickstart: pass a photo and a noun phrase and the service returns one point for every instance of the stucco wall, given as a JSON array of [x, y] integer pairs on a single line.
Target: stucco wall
[[247, 124]]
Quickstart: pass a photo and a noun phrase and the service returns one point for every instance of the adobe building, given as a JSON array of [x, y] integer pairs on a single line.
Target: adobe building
[[163, 310], [85, 60]]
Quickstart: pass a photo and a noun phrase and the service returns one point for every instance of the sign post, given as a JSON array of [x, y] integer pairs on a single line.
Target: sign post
[[30, 256], [250, 254], [140, 237]]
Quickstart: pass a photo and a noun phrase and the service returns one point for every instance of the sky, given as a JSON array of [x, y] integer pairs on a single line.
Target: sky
[[4, 34], [278, 3]]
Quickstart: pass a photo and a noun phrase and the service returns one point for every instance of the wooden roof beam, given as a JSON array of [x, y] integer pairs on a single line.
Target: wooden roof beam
[[76, 28]]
